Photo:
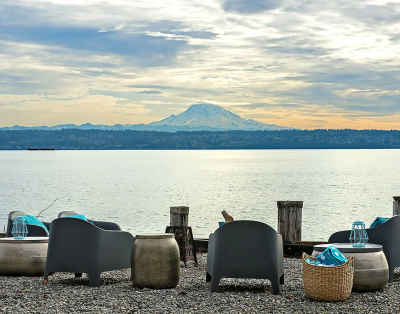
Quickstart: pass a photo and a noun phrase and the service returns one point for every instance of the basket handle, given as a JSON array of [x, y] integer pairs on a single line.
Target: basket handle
[[351, 261]]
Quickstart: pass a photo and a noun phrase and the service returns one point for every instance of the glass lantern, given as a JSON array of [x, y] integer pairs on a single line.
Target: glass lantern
[[19, 229], [358, 235]]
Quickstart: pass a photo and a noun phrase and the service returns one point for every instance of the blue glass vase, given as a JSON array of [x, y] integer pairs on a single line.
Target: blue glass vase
[[358, 235], [19, 229]]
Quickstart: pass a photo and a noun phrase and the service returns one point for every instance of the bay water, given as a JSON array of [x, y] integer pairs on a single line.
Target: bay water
[[137, 188]]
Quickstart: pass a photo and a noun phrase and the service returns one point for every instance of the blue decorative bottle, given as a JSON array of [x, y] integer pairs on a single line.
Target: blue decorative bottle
[[19, 229]]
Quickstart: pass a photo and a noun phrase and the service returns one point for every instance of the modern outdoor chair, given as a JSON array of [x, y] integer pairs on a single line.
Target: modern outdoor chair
[[78, 246], [33, 230], [106, 225], [386, 234], [245, 249]]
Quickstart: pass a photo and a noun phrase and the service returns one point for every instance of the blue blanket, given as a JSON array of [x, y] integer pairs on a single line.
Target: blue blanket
[[32, 220]]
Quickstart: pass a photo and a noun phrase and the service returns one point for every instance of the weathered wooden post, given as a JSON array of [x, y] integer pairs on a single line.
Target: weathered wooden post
[[289, 220], [396, 205], [179, 216], [178, 225]]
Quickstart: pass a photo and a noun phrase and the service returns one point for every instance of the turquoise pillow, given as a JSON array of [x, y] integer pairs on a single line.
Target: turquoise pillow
[[331, 256], [83, 217], [378, 221]]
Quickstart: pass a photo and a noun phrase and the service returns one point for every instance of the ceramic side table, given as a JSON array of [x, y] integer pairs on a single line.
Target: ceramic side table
[[25, 257], [155, 261]]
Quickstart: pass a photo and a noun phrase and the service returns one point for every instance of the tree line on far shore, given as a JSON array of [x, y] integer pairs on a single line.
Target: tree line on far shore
[[74, 139]]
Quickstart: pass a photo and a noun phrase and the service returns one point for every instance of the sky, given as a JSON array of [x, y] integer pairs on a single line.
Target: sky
[[307, 64]]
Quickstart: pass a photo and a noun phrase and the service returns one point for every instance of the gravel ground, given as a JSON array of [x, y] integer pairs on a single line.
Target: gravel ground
[[66, 294]]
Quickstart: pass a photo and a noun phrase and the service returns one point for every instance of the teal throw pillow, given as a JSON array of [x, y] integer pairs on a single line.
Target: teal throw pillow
[[83, 217], [331, 256], [378, 221]]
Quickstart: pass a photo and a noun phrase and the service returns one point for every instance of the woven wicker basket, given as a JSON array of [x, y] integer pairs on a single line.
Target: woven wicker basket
[[333, 283]]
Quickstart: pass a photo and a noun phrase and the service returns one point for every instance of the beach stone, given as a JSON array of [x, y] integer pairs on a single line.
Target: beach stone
[[66, 294]]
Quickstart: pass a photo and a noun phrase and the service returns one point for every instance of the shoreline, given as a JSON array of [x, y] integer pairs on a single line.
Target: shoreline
[[66, 294], [289, 250]]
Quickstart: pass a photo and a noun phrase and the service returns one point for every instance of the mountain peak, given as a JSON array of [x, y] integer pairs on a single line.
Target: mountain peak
[[211, 117]]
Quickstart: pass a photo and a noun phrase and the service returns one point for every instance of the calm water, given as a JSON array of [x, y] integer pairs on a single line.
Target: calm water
[[136, 188]]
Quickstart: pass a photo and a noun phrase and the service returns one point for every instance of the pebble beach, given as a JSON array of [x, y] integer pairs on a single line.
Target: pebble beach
[[66, 294]]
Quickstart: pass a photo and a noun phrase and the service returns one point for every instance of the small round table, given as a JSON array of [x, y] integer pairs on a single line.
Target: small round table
[[155, 261], [371, 271], [24, 257]]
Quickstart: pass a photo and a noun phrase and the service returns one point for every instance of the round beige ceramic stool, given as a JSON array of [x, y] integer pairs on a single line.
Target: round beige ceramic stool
[[25, 257], [155, 261]]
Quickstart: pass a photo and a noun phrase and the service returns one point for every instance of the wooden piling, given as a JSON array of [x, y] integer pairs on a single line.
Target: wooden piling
[[179, 216], [289, 220], [396, 205], [179, 221]]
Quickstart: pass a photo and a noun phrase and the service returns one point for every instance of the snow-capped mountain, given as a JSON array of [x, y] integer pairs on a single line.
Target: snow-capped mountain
[[212, 117], [198, 117]]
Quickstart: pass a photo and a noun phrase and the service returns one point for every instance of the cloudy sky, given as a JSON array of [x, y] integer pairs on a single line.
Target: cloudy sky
[[306, 64]]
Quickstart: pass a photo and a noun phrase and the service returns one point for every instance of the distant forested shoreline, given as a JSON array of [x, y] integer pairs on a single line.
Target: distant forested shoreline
[[74, 139]]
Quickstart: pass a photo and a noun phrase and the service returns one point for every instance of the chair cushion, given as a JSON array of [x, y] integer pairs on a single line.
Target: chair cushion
[[378, 221], [331, 256]]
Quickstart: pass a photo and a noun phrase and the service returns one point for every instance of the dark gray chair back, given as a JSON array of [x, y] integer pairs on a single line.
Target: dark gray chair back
[[245, 249], [106, 225], [78, 246]]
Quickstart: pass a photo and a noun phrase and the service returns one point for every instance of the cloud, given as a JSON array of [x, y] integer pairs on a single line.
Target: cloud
[[254, 6], [138, 48], [150, 92]]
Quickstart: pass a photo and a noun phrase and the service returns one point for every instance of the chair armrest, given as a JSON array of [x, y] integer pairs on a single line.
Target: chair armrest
[[115, 249], [211, 253], [280, 253]]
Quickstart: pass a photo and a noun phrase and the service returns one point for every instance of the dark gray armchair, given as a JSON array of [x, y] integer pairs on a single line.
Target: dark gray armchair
[[386, 234], [33, 230], [245, 249], [106, 225], [78, 246]]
